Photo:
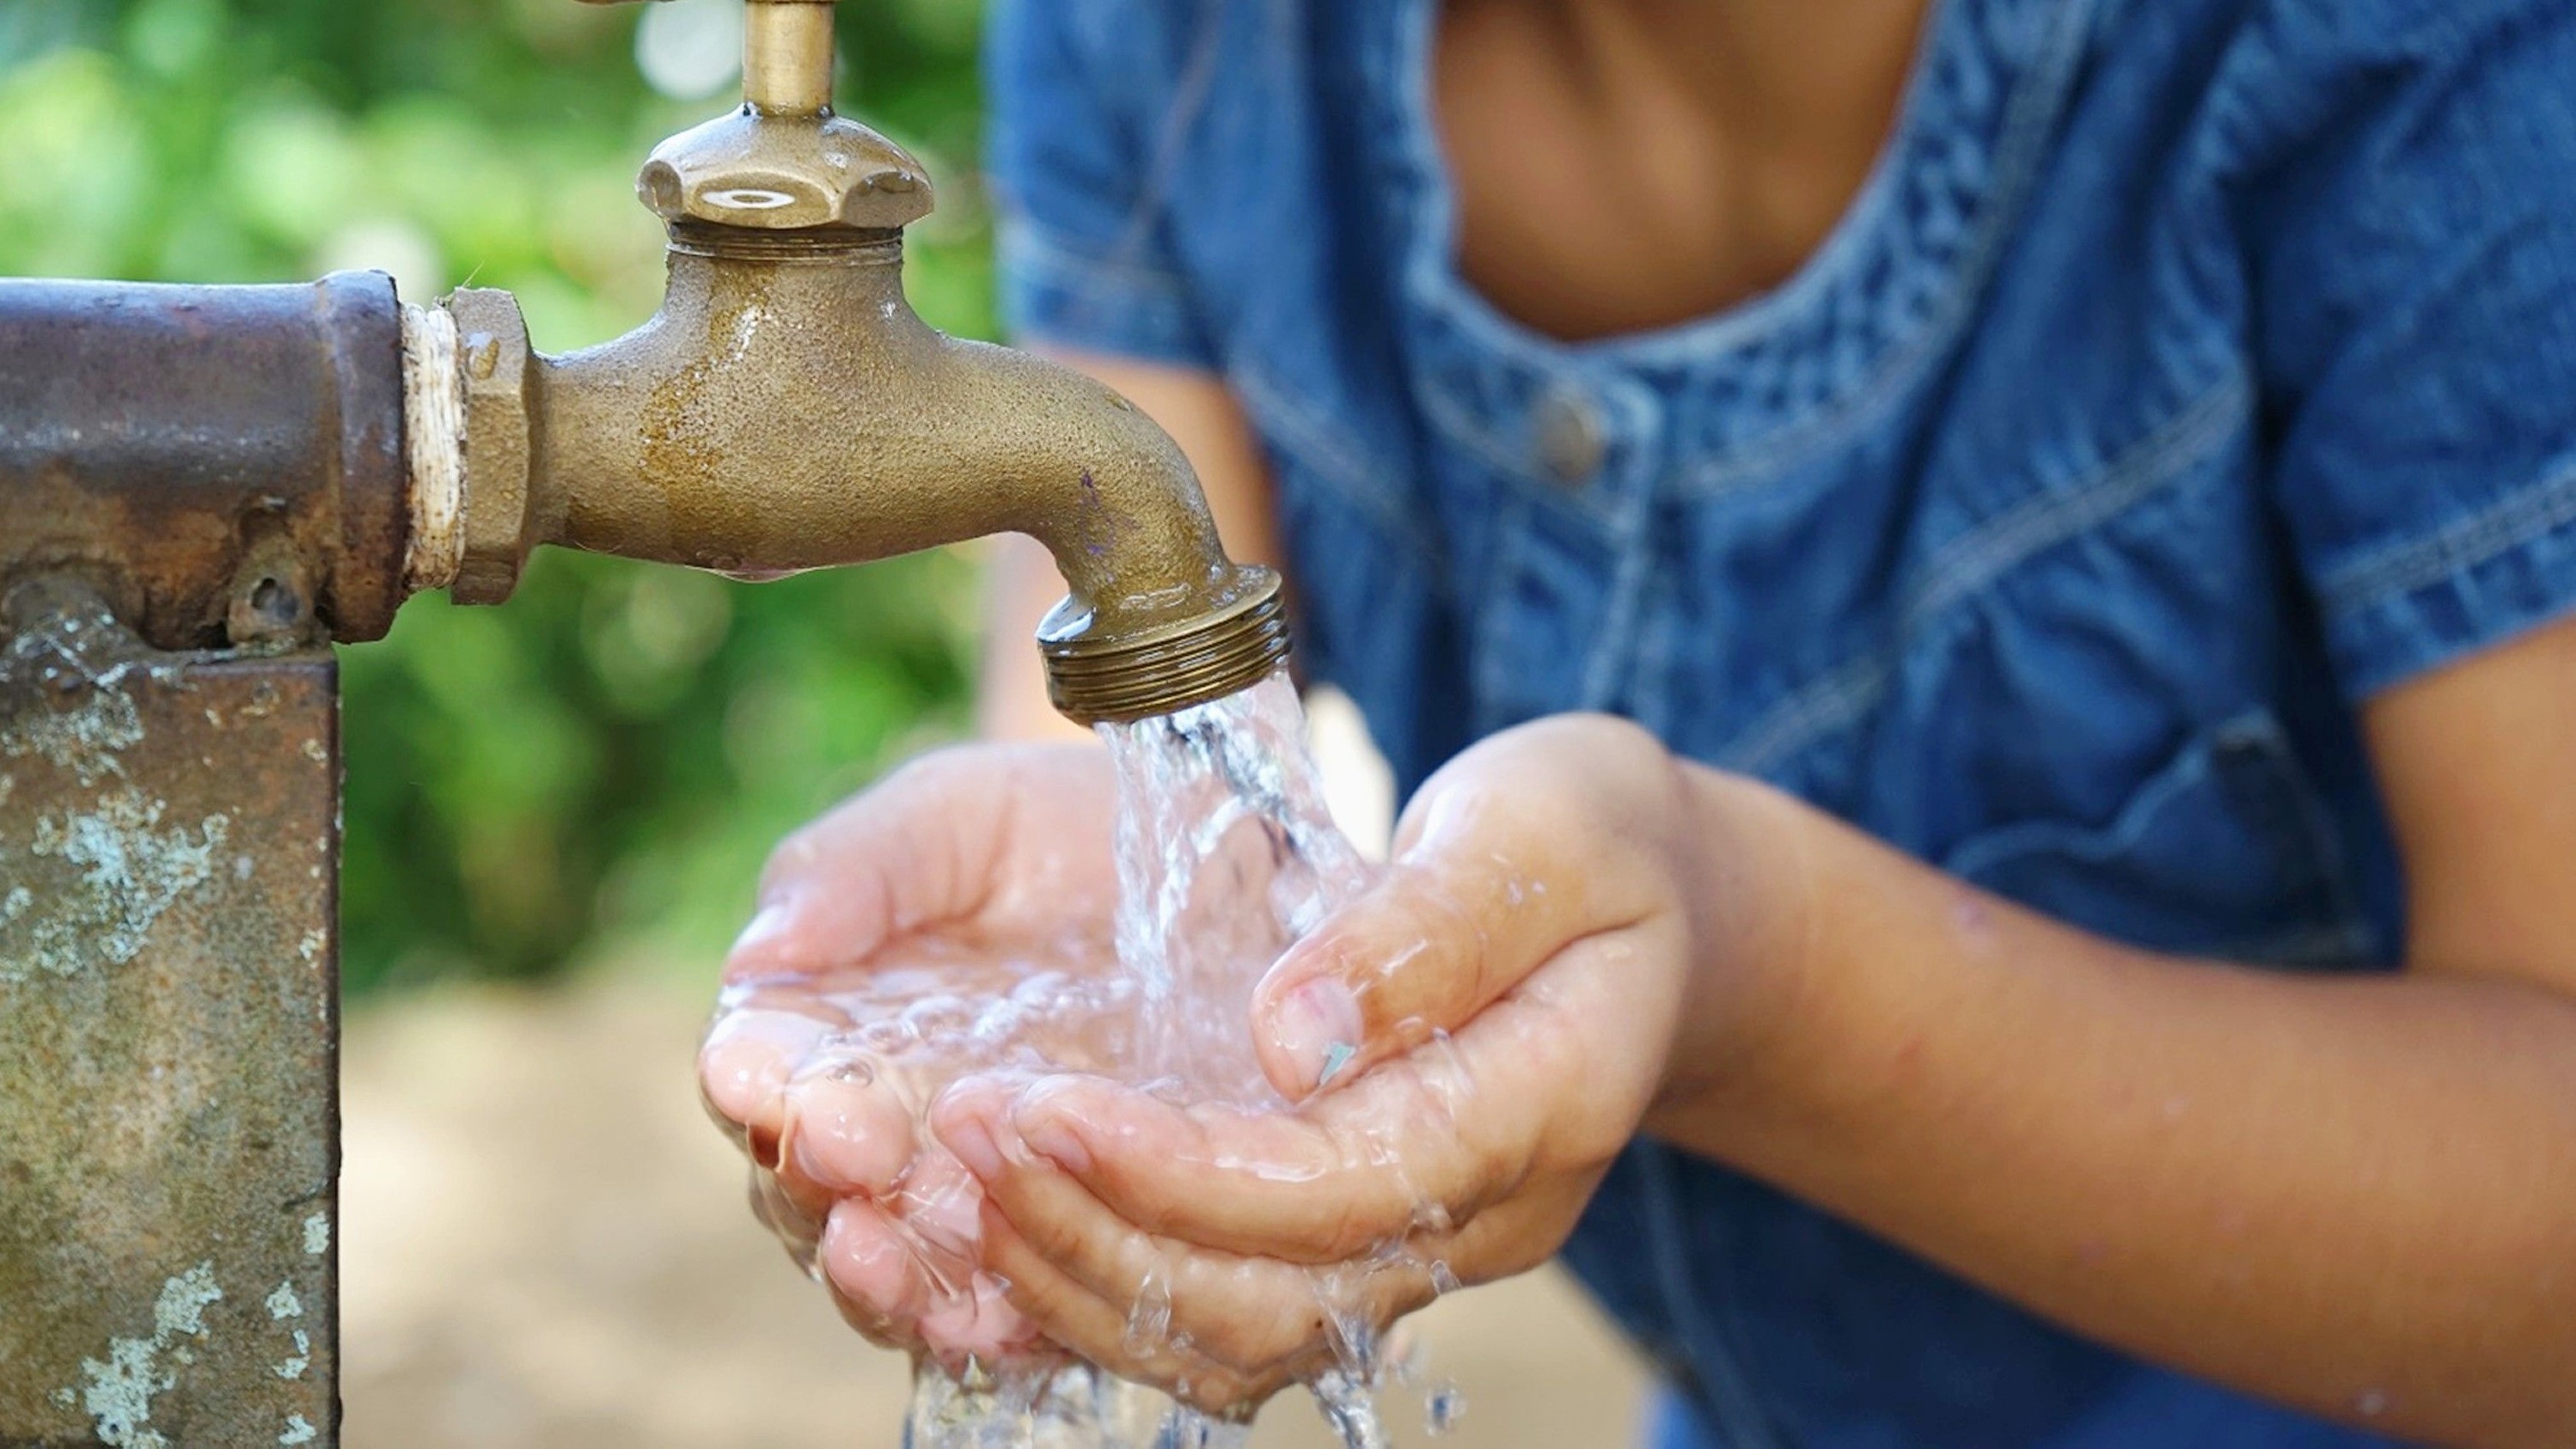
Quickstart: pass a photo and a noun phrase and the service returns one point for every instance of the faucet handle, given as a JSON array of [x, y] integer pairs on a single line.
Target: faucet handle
[[784, 161]]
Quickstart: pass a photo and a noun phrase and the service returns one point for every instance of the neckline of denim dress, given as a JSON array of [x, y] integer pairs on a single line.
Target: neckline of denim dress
[[1784, 373]]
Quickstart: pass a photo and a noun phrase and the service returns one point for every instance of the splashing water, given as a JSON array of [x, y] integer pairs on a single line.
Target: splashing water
[[1225, 855]]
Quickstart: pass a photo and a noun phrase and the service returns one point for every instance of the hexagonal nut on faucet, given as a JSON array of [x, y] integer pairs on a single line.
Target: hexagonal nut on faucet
[[499, 368], [779, 172]]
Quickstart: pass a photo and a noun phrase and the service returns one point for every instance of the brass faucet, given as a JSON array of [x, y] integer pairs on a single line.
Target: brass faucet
[[786, 410]]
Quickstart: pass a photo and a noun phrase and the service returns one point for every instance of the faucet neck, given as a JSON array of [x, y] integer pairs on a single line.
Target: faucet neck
[[807, 246]]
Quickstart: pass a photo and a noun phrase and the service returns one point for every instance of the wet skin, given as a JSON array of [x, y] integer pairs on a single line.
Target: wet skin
[[2380, 1224], [1445, 1128], [2352, 1194]]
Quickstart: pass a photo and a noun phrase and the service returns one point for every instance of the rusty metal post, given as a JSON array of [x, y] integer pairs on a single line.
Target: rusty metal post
[[169, 1113], [179, 448]]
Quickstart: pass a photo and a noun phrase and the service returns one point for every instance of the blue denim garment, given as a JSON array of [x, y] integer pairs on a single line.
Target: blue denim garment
[[2188, 371]]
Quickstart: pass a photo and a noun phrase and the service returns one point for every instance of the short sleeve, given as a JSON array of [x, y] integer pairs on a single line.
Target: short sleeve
[[2416, 274], [1079, 93]]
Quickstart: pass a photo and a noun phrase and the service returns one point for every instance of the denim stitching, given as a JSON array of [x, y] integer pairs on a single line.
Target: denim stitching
[[1287, 425], [2030, 121], [1431, 282], [1064, 267], [1172, 135], [2325, 840], [1615, 639], [2156, 461], [1492, 632], [2465, 544], [2080, 842], [1649, 688], [1482, 443], [1741, 1420]]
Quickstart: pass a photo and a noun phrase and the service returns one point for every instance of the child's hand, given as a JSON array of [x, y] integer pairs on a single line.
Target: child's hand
[[974, 886], [1475, 1040]]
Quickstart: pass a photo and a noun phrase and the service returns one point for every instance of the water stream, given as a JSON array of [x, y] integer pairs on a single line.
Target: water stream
[[1225, 855]]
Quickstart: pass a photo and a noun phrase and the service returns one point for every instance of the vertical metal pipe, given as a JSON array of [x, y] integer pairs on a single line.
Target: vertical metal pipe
[[787, 56]]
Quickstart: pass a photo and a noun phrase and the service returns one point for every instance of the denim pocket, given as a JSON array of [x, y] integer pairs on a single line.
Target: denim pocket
[[2226, 850]]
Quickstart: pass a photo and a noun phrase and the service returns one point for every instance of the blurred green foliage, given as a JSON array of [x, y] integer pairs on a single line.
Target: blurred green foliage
[[598, 767]]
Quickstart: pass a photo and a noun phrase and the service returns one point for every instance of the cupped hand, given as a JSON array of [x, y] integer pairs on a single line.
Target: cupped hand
[[955, 917], [1470, 1045]]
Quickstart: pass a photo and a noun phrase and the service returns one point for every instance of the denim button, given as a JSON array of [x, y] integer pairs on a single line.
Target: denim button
[[1569, 436]]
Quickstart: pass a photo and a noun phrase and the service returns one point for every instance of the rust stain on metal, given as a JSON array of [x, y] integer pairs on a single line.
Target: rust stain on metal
[[168, 1107], [181, 447]]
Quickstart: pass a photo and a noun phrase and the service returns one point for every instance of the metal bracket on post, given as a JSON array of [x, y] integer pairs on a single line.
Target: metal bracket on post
[[169, 1109]]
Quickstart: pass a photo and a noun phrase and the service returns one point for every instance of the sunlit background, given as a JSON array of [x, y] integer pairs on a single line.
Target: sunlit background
[[556, 808], [594, 771]]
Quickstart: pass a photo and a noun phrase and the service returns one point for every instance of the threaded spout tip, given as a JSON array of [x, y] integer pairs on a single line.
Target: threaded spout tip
[[1097, 675]]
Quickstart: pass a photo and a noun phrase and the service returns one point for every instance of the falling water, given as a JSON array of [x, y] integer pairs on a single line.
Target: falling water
[[1226, 854]]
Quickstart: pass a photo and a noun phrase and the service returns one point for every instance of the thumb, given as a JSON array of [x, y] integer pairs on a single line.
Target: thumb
[[1481, 897], [918, 849]]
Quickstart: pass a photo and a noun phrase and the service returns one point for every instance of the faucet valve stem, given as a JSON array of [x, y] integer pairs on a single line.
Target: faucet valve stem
[[787, 57]]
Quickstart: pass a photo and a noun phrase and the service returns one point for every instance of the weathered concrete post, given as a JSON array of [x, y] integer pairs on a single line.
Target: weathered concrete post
[[169, 853]]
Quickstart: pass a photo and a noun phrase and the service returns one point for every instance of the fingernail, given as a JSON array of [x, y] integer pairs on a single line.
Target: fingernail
[[973, 1142], [1318, 1026], [767, 925], [1060, 1144]]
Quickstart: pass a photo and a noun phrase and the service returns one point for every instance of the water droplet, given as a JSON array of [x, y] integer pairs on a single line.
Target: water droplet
[[1149, 1318], [1443, 1407]]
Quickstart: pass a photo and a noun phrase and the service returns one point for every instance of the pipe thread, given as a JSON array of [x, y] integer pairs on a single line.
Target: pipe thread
[[1092, 682], [820, 245]]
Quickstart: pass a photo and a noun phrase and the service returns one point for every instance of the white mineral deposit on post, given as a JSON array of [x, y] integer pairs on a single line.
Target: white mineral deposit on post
[[120, 1392]]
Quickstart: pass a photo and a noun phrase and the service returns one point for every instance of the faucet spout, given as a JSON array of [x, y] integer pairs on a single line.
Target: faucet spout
[[787, 410]]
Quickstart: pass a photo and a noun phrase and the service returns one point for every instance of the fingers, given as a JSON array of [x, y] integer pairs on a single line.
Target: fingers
[[1427, 1140], [1271, 1184], [883, 1288], [1491, 887], [1220, 1331], [1251, 1314], [928, 846], [1088, 1326], [746, 1061], [978, 1324], [867, 1262], [825, 1123], [847, 1132]]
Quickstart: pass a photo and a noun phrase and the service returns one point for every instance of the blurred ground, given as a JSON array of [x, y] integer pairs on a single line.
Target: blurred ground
[[545, 1244]]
